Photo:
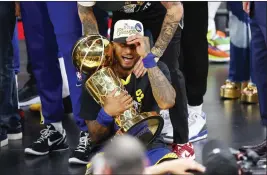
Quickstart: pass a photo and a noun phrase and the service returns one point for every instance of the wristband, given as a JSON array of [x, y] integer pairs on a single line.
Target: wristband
[[103, 118], [149, 61]]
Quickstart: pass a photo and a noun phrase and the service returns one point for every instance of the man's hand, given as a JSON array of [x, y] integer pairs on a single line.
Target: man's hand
[[141, 43], [139, 69], [116, 105], [178, 166], [246, 6]]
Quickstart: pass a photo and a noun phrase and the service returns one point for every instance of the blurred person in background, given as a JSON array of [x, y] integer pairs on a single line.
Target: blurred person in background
[[10, 126], [238, 84], [126, 155], [258, 14]]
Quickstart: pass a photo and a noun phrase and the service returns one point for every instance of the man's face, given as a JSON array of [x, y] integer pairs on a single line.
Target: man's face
[[125, 55]]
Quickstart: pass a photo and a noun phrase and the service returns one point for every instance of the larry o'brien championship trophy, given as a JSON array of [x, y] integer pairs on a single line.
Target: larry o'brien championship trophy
[[93, 55]]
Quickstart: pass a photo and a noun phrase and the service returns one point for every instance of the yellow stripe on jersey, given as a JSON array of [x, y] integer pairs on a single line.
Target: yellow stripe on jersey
[[166, 157], [127, 81]]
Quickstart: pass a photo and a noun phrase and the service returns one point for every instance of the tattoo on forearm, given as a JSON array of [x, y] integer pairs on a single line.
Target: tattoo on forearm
[[169, 27], [97, 132], [88, 20], [162, 90]]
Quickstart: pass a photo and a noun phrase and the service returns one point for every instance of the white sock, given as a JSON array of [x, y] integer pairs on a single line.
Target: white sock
[[212, 7], [197, 109], [58, 126], [65, 83]]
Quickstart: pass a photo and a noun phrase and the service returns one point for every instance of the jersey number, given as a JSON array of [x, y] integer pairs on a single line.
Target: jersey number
[[139, 95]]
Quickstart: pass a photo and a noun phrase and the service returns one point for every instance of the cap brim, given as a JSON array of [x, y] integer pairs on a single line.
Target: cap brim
[[120, 40]]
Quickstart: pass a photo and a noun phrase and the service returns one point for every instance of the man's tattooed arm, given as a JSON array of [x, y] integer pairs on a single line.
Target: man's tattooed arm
[[162, 89], [96, 131], [88, 20], [169, 26]]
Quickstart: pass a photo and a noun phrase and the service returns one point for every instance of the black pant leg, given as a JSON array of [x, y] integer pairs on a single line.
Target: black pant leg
[[194, 47]]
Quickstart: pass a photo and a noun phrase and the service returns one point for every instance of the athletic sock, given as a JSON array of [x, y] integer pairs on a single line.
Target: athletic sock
[[197, 109], [58, 126]]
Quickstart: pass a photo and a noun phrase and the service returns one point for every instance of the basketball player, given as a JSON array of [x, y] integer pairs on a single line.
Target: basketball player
[[151, 92], [162, 19]]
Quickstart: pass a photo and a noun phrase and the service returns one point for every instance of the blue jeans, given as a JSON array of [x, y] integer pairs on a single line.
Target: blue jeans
[[8, 90]]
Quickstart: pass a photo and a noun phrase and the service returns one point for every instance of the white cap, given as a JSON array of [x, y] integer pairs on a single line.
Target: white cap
[[125, 28], [86, 3]]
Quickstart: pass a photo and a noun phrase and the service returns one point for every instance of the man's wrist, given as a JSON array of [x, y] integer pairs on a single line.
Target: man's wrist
[[149, 61], [103, 118]]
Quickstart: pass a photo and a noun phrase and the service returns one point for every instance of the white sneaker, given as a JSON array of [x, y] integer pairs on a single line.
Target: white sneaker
[[197, 126], [167, 131]]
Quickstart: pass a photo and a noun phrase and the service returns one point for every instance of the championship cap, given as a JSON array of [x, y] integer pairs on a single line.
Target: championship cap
[[125, 28]]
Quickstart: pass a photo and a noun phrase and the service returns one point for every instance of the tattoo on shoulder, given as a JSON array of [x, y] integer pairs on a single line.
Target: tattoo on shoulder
[[88, 19]]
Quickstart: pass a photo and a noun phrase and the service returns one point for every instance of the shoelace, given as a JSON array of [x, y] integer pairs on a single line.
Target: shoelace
[[45, 133], [83, 143]]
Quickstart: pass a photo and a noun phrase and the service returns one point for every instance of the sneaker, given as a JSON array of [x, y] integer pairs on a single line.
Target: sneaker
[[167, 131], [217, 55], [28, 94], [3, 137], [260, 149], [220, 40], [197, 126], [14, 132], [50, 140], [81, 154], [185, 151]]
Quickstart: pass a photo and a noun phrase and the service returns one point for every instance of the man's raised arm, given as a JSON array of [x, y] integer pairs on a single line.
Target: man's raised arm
[[87, 18], [162, 89], [169, 26]]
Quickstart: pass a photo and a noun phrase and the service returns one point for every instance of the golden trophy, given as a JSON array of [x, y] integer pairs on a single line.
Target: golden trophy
[[93, 56]]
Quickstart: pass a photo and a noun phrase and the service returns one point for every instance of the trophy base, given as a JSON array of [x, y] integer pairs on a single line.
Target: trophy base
[[145, 126]]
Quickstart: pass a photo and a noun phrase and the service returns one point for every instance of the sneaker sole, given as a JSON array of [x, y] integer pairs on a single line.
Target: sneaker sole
[[219, 60], [36, 153], [4, 142], [202, 135], [17, 136], [74, 160], [30, 102]]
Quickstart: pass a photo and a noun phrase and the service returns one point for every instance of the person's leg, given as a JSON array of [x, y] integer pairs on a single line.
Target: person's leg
[[259, 50], [15, 43], [9, 116], [67, 33], [259, 64], [102, 20], [43, 52], [194, 64]]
